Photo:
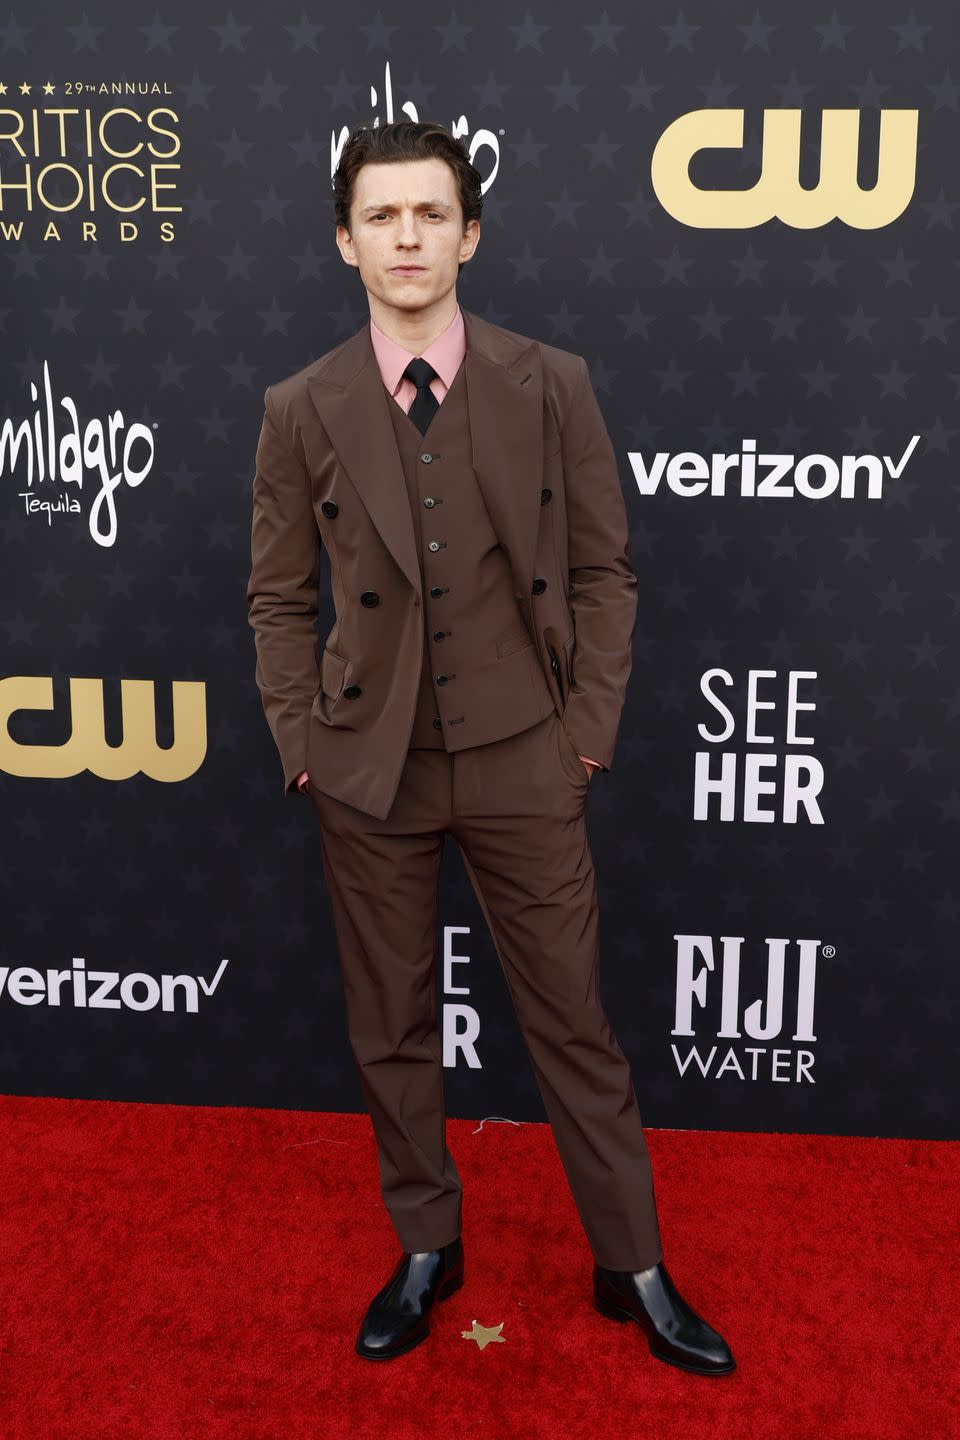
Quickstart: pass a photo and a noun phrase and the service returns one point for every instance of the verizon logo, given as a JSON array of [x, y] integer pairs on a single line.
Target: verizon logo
[[767, 476], [84, 989]]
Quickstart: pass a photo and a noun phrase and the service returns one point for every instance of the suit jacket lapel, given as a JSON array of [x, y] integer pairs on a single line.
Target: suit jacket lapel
[[349, 396], [504, 384], [505, 398]]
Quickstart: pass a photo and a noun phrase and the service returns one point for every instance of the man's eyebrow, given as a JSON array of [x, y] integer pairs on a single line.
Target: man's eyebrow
[[428, 204]]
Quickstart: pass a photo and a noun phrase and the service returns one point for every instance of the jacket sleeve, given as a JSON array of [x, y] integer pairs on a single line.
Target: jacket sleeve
[[603, 585], [282, 593]]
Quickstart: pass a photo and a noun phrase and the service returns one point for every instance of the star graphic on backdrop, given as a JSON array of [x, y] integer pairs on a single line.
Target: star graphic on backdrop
[[100, 370], [679, 33], [96, 264], [304, 35], [946, 93], [158, 35], [170, 371], [757, 33], [309, 262], [237, 263], [195, 92], [269, 92], [378, 35], [307, 150], [231, 35], [833, 35], [13, 36]]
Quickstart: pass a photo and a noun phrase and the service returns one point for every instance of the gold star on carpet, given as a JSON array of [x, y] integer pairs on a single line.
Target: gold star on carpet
[[48, 89], [3, 88], [24, 88], [484, 1334]]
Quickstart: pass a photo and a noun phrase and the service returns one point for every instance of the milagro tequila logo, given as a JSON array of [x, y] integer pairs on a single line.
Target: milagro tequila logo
[[723, 1014], [54, 454], [478, 141]]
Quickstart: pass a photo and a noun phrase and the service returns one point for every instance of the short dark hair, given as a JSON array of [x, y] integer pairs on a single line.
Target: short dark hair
[[405, 140]]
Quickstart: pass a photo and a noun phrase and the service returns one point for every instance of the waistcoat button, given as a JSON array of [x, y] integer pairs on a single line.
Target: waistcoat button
[[434, 545], [370, 598], [329, 508], [429, 502], [437, 725], [545, 495], [352, 691], [426, 458], [436, 590], [441, 680], [539, 585]]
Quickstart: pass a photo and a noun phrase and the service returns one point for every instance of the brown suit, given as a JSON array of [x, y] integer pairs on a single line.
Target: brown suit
[[525, 522]]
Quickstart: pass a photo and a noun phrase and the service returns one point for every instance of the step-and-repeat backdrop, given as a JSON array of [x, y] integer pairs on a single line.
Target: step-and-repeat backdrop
[[747, 225]]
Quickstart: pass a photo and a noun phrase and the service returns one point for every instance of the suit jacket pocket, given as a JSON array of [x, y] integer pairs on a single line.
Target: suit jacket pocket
[[518, 638], [578, 770], [333, 667], [565, 665], [568, 653]]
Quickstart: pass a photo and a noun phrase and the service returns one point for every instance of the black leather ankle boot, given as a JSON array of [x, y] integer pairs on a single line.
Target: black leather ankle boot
[[674, 1331], [396, 1318]]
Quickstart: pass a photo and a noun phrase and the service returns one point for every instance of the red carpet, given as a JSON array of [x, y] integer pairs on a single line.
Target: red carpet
[[198, 1272]]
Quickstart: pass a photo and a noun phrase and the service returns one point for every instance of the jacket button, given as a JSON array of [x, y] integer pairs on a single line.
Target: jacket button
[[330, 508], [441, 680], [426, 457], [429, 502], [436, 590], [370, 598], [553, 665], [545, 495], [437, 724], [439, 634], [352, 691], [539, 585]]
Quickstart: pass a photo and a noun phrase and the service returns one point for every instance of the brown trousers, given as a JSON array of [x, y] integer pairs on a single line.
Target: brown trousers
[[516, 810]]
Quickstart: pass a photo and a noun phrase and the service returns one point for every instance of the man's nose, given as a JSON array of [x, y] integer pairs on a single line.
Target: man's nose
[[408, 230]]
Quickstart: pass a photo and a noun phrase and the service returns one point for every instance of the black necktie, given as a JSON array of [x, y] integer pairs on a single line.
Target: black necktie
[[426, 404]]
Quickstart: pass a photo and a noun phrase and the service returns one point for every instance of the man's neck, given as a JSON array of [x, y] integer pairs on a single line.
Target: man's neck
[[415, 330]]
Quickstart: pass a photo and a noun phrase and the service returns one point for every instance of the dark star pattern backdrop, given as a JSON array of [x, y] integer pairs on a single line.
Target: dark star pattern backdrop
[[760, 973]]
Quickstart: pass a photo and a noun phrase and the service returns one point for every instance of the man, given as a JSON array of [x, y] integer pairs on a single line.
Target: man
[[463, 482]]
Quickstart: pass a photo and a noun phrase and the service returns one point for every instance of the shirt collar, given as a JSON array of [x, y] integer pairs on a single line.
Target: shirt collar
[[444, 354]]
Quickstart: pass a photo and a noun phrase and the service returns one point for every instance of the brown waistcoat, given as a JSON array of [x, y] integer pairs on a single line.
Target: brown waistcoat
[[475, 640]]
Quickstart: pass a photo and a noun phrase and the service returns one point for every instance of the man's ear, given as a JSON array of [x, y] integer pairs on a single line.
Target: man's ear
[[343, 238]]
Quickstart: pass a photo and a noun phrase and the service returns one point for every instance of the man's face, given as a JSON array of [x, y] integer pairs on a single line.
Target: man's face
[[407, 213]]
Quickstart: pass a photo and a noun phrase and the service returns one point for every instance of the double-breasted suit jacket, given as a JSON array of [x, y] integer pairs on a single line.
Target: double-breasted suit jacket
[[328, 474]]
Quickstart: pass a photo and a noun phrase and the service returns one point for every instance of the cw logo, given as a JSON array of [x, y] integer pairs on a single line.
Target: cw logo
[[86, 747], [778, 193]]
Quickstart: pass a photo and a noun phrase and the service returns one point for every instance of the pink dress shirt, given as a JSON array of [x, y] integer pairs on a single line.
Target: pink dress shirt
[[445, 354]]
